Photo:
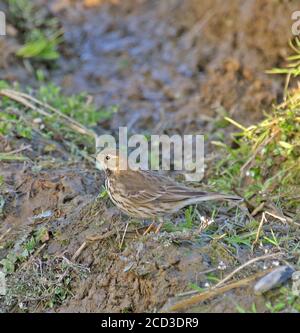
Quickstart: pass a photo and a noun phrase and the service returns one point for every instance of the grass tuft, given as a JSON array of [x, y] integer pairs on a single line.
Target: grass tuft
[[266, 164]]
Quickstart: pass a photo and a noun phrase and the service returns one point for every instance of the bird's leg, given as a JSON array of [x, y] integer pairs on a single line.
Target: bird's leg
[[161, 222], [149, 228]]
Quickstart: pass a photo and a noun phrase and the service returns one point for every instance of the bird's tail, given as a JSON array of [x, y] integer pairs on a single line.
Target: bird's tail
[[197, 197], [206, 196]]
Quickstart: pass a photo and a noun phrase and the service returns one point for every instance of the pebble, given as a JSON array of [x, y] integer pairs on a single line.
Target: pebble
[[274, 279], [296, 284], [2, 284], [206, 284]]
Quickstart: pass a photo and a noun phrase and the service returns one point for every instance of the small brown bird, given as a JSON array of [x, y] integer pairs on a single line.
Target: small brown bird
[[146, 194]]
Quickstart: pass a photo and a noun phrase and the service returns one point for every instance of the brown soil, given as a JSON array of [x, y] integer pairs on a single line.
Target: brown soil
[[171, 66]]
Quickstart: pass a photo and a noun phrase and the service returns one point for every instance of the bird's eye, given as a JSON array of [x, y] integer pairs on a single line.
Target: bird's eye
[[107, 157]]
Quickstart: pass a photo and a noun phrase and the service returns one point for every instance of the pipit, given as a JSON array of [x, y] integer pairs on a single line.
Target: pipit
[[147, 194]]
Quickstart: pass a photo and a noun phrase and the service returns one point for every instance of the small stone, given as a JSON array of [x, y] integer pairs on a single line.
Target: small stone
[[274, 279], [206, 285], [296, 284], [2, 284]]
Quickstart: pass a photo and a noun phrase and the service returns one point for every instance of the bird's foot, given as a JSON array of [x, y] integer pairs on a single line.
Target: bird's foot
[[153, 227], [149, 229], [158, 228]]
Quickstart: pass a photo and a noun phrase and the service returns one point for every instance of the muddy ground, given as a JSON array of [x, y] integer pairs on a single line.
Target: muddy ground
[[170, 66]]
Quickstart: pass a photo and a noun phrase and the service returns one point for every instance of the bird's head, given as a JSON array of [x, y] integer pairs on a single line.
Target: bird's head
[[109, 160]]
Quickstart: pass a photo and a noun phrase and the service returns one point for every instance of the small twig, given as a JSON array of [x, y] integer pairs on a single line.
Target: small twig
[[16, 151], [82, 129], [263, 219], [68, 121], [279, 214], [76, 125], [208, 271], [258, 209], [79, 250], [124, 234], [184, 304], [150, 227], [16, 97], [187, 293], [286, 86], [25, 98], [91, 239], [282, 219], [229, 276]]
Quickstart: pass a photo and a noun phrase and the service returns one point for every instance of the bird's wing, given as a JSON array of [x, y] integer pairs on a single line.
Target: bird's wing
[[141, 187], [176, 193], [144, 187], [148, 187]]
